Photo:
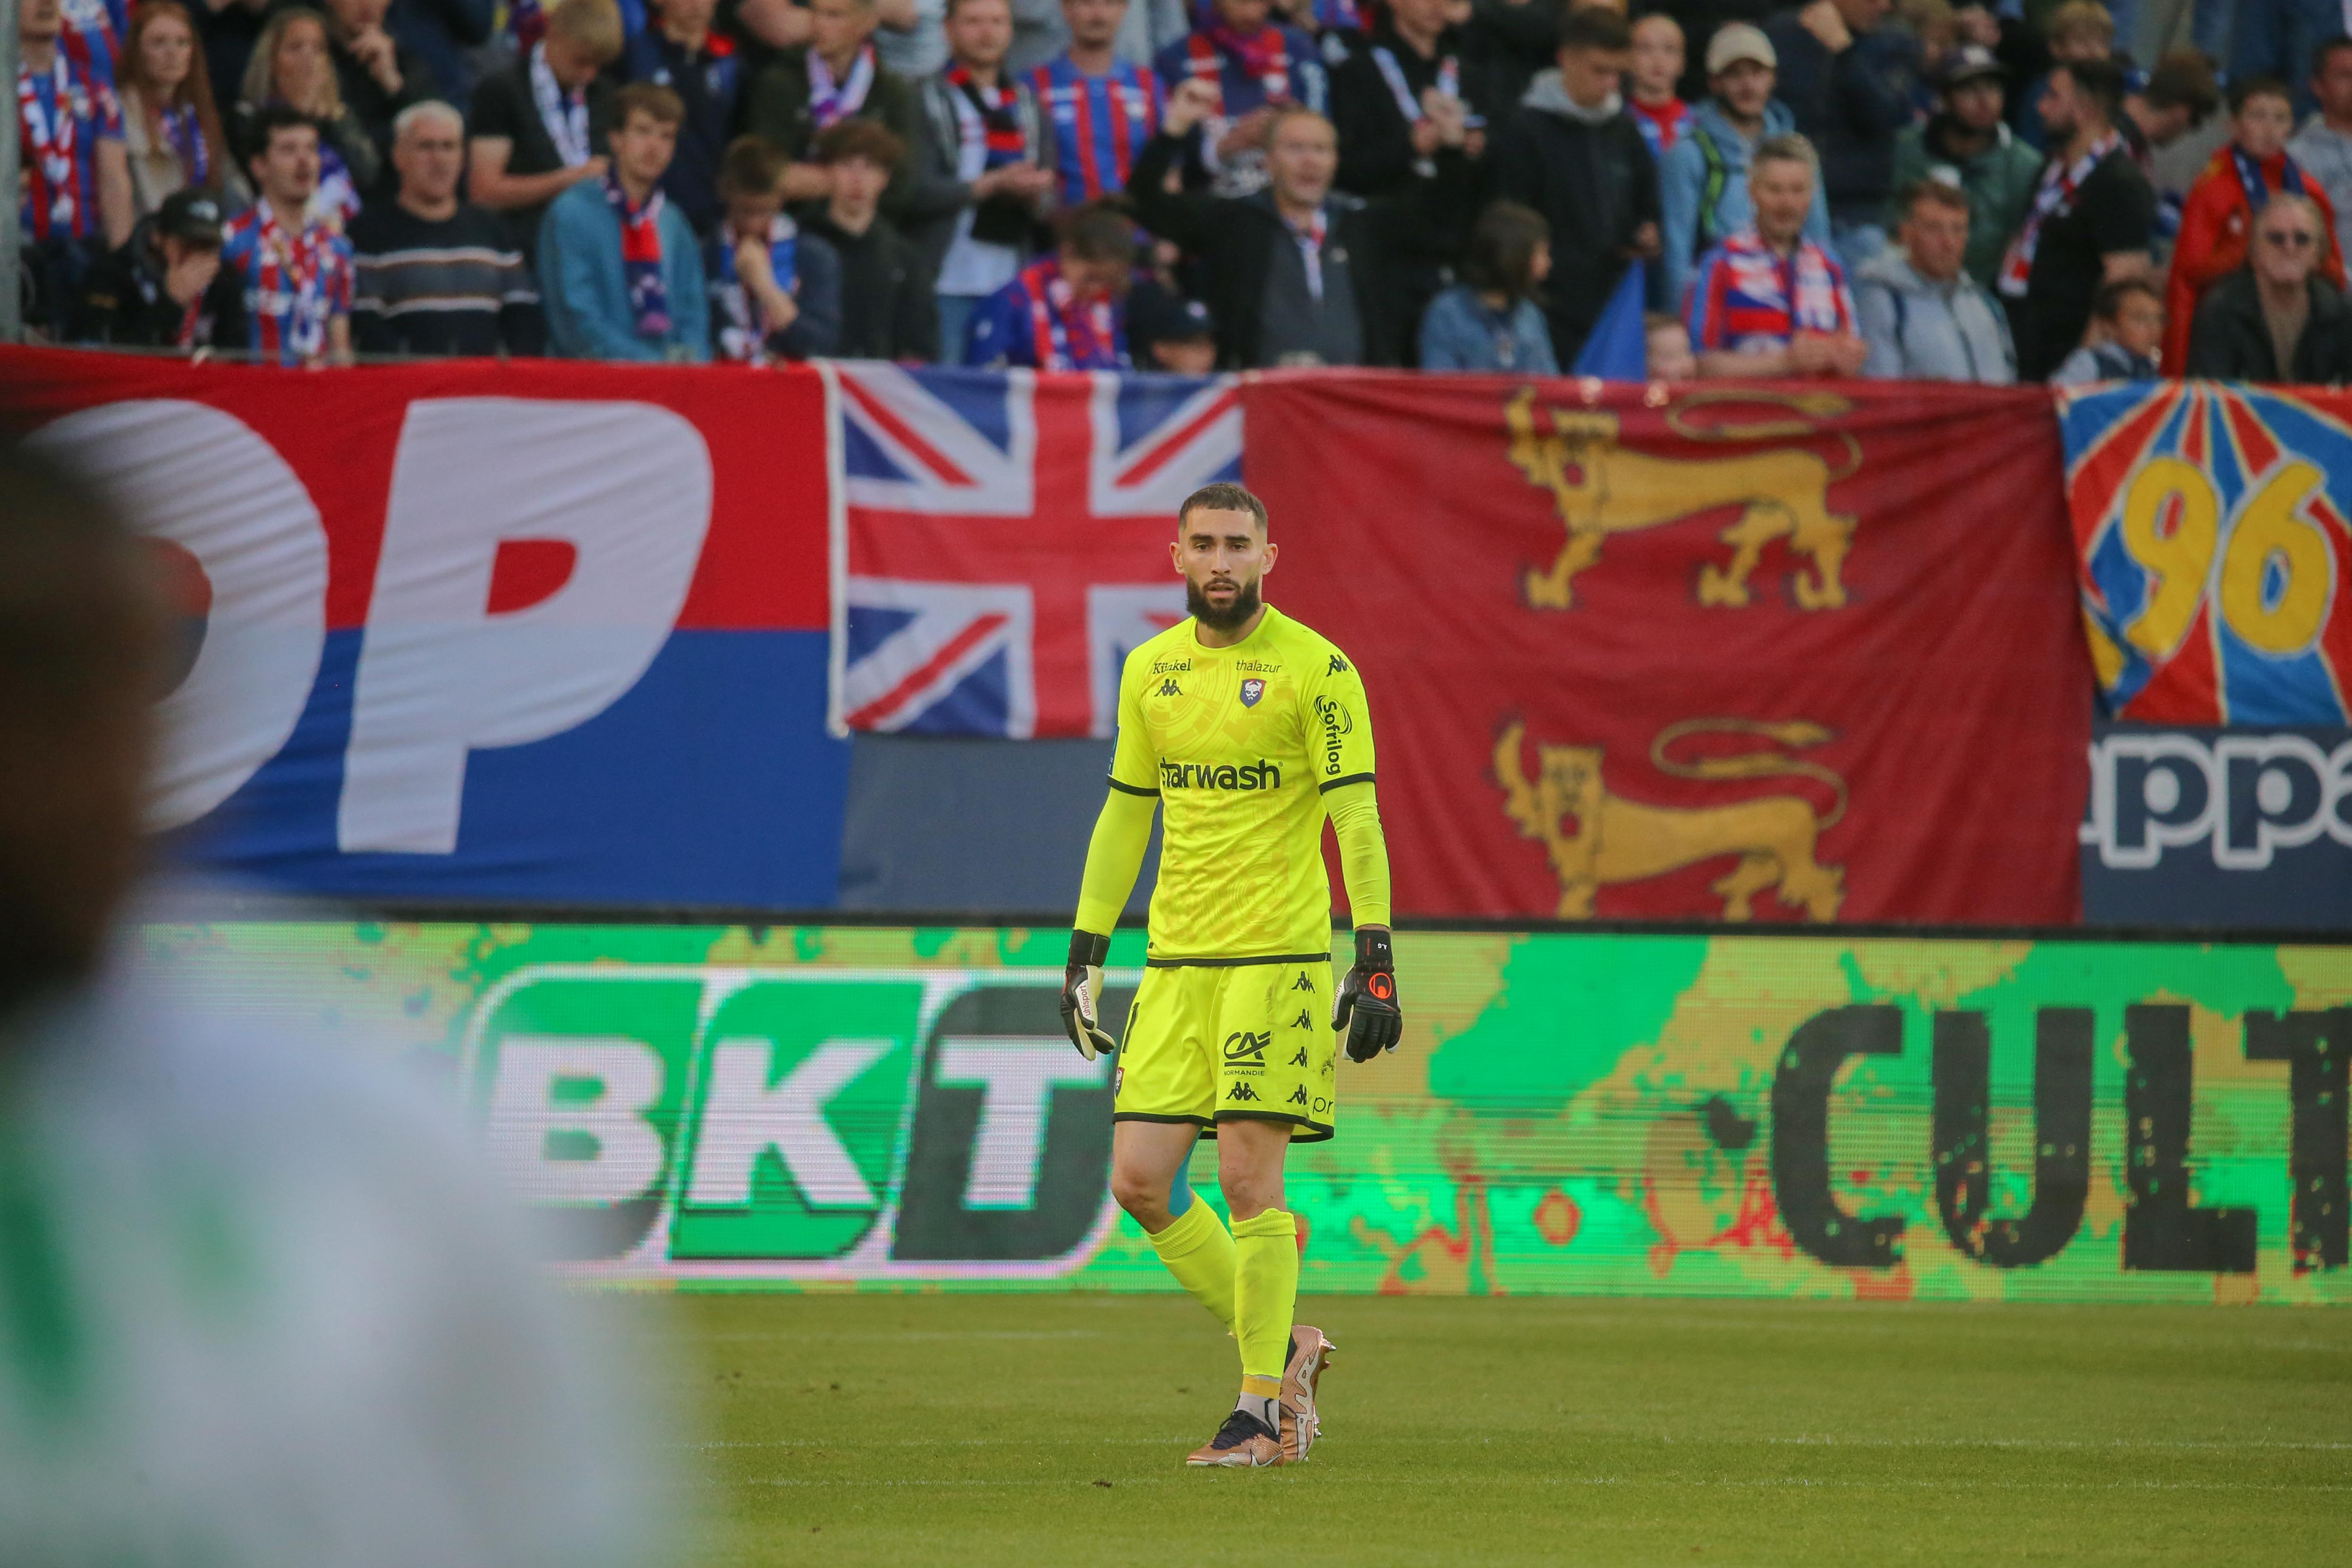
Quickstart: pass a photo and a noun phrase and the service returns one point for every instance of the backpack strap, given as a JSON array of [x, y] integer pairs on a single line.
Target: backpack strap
[[1710, 189]]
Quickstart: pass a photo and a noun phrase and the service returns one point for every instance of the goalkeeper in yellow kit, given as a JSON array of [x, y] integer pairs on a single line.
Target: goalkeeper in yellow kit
[[1247, 729]]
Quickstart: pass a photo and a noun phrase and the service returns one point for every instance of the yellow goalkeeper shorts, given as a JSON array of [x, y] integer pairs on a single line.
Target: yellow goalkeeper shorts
[[1214, 1043]]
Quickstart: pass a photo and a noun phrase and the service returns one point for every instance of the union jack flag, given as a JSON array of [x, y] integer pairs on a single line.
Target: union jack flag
[[1001, 539]]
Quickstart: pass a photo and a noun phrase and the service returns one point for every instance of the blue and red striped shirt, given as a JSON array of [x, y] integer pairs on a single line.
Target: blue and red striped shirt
[[62, 114], [1747, 296], [1099, 124], [293, 285]]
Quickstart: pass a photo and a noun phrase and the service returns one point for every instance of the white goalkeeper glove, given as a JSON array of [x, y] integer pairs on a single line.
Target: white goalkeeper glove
[[1082, 995]]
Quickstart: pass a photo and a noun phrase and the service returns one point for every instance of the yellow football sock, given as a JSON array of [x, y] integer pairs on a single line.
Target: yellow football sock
[[1266, 1288], [1200, 1254]]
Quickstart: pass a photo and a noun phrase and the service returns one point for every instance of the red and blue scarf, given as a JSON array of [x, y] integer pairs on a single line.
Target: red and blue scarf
[[1070, 333], [641, 258], [991, 113], [2251, 180]]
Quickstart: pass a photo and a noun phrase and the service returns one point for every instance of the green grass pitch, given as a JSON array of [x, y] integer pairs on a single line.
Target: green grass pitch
[[1045, 1430]]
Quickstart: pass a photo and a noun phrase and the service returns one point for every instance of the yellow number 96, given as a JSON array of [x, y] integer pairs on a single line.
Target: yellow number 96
[[2171, 528]]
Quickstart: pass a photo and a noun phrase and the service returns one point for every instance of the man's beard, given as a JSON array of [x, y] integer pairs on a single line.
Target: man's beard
[[1245, 605]]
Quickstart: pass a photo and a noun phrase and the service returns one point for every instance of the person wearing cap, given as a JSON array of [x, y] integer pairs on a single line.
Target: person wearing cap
[[1850, 82], [1967, 144], [1703, 179], [1166, 332], [155, 291]]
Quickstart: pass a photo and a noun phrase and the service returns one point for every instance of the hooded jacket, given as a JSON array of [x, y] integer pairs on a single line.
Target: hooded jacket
[[2232, 341], [1921, 330], [1703, 191], [1998, 182], [1589, 174]]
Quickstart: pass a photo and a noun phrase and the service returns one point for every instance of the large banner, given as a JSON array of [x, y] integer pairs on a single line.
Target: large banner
[[2216, 558], [1001, 540], [479, 631], [1773, 1115], [1722, 653]]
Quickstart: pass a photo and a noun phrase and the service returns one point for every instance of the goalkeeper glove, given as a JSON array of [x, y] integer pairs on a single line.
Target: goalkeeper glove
[[1366, 1005], [1082, 995]]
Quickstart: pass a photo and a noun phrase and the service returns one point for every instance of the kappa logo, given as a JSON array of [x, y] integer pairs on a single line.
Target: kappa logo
[[1252, 690], [1298, 1096], [1169, 688], [1600, 488], [1243, 1092], [1299, 1059], [1248, 1047], [1302, 983], [1619, 840], [1303, 1020], [1338, 665]]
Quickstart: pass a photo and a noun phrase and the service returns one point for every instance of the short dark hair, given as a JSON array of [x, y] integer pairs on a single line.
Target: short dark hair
[[752, 166], [2101, 82], [2107, 304], [1594, 28], [2184, 79], [2245, 90], [855, 138], [271, 119], [656, 102], [1224, 496], [1098, 230], [1501, 255], [2328, 46], [1937, 193]]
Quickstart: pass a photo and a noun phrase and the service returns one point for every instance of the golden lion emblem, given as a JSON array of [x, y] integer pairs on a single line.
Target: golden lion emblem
[[1594, 837], [1600, 488]]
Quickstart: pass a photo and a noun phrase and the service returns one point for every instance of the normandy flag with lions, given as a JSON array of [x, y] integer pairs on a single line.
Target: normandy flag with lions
[[1775, 653]]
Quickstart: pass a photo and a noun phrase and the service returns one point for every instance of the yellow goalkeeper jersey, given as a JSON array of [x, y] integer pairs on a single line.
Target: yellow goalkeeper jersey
[[1241, 745]]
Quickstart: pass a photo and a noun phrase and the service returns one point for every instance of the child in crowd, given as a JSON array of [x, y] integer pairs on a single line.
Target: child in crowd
[[2126, 331], [1667, 347], [775, 292], [1657, 66], [1492, 320]]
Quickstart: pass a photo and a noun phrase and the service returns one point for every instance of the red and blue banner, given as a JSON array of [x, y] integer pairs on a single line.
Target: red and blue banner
[[537, 631], [2211, 523]]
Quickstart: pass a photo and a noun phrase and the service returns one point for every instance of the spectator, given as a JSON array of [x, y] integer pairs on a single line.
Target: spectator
[[681, 53], [1573, 155], [2076, 31], [1255, 66], [911, 43], [434, 276], [775, 292], [2324, 146], [1968, 145], [2164, 125], [1041, 30], [1925, 319], [1491, 321], [2228, 197], [887, 311], [172, 134], [284, 282], [154, 292], [1296, 274], [375, 77], [1098, 109], [1703, 183], [1516, 40], [1658, 114], [2126, 334], [1166, 332], [2276, 318], [1850, 84], [440, 33], [978, 183], [1067, 311], [75, 180], [1667, 348], [291, 68], [620, 272], [537, 125], [1768, 301], [807, 91], [1377, 96], [2089, 224]]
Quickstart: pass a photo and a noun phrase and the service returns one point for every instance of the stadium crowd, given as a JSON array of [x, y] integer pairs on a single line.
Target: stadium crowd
[[1713, 187]]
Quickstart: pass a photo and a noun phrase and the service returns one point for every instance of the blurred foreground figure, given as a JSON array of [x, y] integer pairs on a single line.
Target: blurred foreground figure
[[255, 1307]]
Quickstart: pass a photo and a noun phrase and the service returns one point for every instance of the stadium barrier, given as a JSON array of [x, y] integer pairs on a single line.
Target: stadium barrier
[[1840, 1114]]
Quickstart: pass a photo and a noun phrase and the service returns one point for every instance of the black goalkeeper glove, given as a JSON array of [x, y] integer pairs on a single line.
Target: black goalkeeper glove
[[1366, 1005], [1082, 995]]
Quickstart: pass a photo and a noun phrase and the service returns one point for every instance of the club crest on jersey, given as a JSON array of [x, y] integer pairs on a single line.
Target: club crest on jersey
[[1252, 690]]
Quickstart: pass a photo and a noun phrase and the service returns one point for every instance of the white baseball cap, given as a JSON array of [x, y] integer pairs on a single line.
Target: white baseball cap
[[1736, 41]]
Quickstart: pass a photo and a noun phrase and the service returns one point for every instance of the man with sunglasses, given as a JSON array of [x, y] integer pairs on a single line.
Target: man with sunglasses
[[2276, 318]]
